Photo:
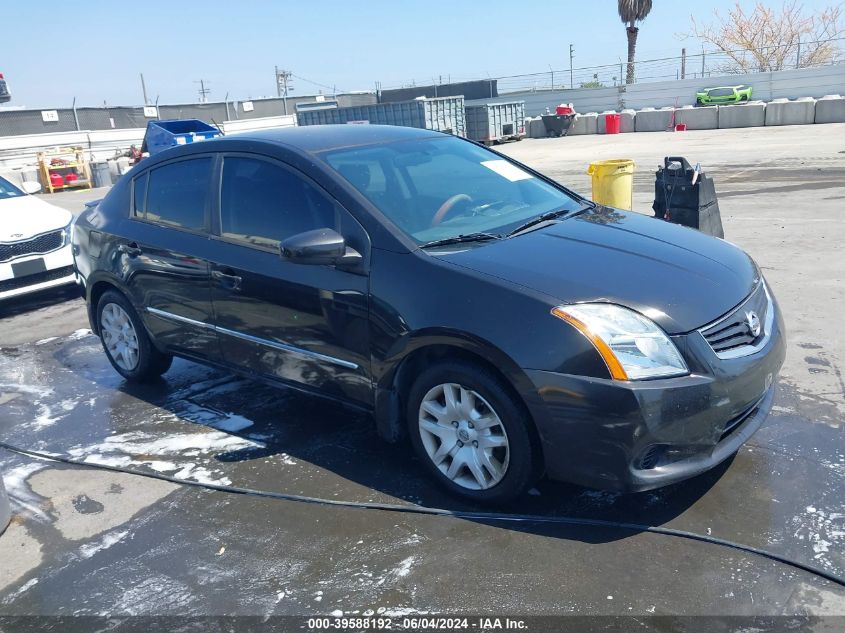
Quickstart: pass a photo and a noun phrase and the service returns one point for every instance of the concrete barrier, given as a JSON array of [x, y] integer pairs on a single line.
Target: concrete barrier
[[651, 120], [536, 128], [830, 109], [584, 124], [751, 114], [785, 112], [601, 122], [626, 121], [5, 508], [706, 118]]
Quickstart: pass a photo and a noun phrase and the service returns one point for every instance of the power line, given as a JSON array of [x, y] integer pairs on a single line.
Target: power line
[[316, 83]]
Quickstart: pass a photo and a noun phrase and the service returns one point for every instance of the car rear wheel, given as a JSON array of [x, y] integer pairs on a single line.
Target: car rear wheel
[[470, 433], [125, 341]]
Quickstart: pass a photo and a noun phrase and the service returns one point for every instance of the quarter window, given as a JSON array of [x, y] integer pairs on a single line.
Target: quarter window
[[178, 193], [262, 203], [139, 195]]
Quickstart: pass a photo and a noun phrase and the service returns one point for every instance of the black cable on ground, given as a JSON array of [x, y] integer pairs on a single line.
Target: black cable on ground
[[457, 514]]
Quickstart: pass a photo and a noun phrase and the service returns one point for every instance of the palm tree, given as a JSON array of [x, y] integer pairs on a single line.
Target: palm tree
[[631, 12]]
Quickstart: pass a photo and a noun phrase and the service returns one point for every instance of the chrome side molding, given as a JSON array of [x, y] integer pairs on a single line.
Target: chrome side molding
[[278, 345]]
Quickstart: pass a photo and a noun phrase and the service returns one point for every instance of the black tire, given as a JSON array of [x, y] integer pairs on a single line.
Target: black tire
[[522, 469], [151, 362]]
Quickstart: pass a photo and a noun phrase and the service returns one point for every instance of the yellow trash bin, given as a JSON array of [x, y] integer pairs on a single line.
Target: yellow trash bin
[[613, 182]]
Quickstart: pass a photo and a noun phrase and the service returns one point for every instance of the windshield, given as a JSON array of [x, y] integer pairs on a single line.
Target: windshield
[[440, 188], [8, 190]]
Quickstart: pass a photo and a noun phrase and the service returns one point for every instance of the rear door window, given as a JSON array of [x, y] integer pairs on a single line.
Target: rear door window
[[178, 194], [262, 203]]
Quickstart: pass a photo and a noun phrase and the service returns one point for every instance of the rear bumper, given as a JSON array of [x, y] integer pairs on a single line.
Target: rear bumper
[[633, 436]]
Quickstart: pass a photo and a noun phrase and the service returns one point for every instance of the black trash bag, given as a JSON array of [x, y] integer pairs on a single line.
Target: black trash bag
[[684, 198]]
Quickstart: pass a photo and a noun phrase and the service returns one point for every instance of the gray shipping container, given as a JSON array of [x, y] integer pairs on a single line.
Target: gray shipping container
[[445, 114], [495, 122]]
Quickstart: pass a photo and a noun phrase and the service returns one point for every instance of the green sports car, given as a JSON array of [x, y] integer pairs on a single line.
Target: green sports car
[[723, 94]]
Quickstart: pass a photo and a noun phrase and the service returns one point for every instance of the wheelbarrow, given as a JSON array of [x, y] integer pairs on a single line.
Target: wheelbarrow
[[558, 124]]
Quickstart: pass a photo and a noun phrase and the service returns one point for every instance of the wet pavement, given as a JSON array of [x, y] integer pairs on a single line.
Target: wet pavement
[[115, 543], [85, 541]]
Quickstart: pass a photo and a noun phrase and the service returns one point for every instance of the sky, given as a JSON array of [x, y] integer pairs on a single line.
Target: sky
[[96, 50]]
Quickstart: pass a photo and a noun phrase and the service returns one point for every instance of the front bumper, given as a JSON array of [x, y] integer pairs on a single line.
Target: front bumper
[[58, 271], [639, 435]]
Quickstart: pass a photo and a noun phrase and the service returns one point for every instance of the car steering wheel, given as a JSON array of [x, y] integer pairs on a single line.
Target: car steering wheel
[[447, 206]]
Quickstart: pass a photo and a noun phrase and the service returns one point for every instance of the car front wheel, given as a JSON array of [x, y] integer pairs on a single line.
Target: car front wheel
[[125, 341], [471, 433]]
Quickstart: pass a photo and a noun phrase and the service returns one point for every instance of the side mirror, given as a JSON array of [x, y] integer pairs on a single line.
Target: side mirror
[[320, 246], [31, 186]]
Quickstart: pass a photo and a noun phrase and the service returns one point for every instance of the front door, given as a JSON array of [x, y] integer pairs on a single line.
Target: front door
[[303, 324]]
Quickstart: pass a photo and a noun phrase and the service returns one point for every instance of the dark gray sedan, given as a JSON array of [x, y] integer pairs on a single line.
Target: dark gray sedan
[[503, 324]]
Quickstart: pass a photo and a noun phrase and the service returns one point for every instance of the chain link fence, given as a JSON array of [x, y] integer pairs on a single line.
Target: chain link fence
[[691, 65], [20, 122]]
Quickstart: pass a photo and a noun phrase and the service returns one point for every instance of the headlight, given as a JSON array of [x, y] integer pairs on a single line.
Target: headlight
[[632, 346], [66, 232]]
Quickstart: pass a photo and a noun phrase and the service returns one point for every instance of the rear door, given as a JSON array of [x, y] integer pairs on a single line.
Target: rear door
[[303, 324], [165, 265]]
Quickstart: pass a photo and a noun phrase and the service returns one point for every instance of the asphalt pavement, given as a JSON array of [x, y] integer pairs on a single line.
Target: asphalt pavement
[[86, 542]]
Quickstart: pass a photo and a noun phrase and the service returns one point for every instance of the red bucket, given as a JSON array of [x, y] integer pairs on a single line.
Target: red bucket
[[612, 123]]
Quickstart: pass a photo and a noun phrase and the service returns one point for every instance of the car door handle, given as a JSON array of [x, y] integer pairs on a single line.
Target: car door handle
[[233, 282], [129, 249]]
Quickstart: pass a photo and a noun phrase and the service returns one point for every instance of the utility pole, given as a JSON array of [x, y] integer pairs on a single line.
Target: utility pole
[[203, 91], [144, 89], [283, 78], [571, 55], [683, 63], [798, 56], [702, 62]]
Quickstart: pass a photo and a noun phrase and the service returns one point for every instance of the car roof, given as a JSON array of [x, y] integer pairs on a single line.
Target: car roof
[[320, 138]]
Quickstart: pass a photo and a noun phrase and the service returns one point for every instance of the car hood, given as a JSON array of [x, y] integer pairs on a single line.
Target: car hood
[[677, 276], [26, 216]]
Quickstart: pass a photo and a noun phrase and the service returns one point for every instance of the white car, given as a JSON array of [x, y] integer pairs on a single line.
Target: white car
[[34, 242]]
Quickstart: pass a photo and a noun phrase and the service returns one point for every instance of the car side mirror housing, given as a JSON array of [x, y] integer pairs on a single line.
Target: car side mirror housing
[[320, 246], [31, 186]]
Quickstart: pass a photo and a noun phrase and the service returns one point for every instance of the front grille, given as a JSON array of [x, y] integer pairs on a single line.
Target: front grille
[[36, 246], [37, 278], [733, 332]]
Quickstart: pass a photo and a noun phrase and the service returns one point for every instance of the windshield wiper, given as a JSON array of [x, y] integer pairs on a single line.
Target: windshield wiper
[[468, 237], [551, 215]]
